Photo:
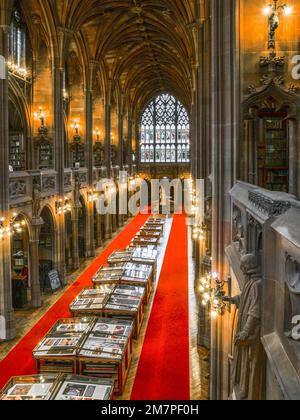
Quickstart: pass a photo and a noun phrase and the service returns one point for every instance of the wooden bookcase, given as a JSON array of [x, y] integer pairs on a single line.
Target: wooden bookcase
[[17, 152], [273, 153]]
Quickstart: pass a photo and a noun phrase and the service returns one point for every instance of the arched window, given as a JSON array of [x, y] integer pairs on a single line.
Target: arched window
[[17, 45], [165, 132]]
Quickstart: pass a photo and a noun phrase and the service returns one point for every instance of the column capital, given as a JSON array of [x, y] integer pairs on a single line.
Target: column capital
[[5, 28]]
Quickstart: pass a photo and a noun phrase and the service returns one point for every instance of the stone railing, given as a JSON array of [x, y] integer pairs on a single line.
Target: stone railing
[[115, 172], [20, 187], [271, 204], [21, 184], [49, 183], [264, 203]]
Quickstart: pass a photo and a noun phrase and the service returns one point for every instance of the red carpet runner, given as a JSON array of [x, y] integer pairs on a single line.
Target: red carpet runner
[[163, 372], [19, 361]]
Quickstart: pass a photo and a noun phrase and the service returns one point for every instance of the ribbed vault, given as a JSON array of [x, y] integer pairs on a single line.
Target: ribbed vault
[[143, 46]]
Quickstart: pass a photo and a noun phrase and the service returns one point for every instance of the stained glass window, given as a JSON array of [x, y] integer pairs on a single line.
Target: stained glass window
[[18, 41], [165, 132]]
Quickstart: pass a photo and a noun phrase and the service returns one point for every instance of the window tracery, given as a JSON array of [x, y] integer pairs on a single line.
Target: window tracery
[[165, 132]]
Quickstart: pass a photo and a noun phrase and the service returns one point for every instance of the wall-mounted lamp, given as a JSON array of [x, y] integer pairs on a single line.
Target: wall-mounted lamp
[[199, 233], [98, 134], [212, 295], [41, 116], [93, 195], [67, 97], [273, 12], [18, 71], [9, 227], [76, 127], [63, 206]]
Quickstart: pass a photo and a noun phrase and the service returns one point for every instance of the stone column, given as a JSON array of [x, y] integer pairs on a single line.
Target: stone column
[[107, 136], [108, 226], [99, 230], [7, 319], [59, 135], [90, 240], [225, 100], [75, 248], [36, 301], [121, 139], [129, 151]]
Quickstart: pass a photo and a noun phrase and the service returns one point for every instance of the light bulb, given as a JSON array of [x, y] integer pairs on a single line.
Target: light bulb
[[214, 314], [267, 10], [288, 10]]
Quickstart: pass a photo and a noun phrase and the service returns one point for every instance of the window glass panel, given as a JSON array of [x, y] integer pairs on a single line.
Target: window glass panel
[[17, 47], [164, 127]]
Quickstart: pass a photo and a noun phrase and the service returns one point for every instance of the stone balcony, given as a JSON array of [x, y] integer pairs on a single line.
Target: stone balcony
[[21, 183], [266, 224]]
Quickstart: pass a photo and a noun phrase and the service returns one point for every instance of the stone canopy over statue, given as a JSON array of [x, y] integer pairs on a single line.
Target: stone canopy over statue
[[248, 368]]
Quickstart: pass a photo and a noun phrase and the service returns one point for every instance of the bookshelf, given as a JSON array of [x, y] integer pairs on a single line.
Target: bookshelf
[[45, 155], [17, 152], [273, 153]]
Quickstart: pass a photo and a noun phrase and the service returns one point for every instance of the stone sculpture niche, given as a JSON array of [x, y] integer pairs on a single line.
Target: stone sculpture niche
[[248, 372], [292, 304]]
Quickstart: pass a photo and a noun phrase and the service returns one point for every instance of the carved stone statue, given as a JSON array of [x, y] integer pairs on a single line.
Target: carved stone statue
[[76, 191], [36, 203], [248, 366]]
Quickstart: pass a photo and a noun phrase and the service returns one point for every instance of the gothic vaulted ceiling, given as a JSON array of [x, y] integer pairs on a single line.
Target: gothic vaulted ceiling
[[142, 47]]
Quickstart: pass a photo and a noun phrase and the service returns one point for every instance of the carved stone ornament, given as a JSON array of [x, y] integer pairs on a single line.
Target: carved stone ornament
[[272, 62], [83, 178], [36, 197], [17, 189], [68, 180], [274, 66], [77, 187], [49, 183], [252, 222], [268, 206]]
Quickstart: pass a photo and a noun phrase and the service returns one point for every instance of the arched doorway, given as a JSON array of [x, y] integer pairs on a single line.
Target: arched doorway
[[20, 263], [46, 248], [82, 215]]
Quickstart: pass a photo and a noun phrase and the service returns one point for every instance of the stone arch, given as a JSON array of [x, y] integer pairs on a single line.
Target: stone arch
[[47, 245], [21, 261]]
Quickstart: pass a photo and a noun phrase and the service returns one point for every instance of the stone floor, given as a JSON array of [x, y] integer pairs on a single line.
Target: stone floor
[[199, 358]]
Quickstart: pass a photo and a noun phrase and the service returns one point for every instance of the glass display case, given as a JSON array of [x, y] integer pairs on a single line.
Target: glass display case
[[34, 388]]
